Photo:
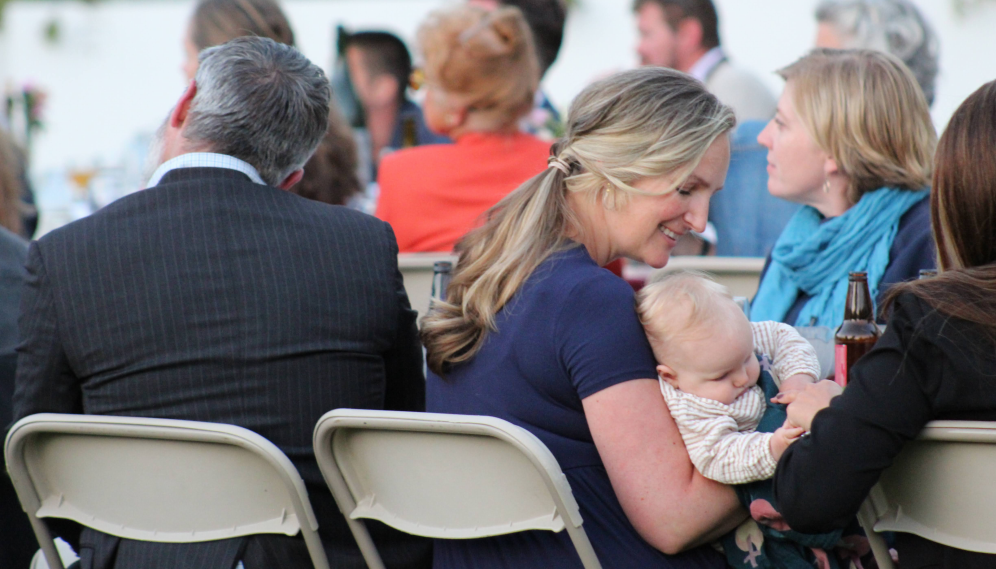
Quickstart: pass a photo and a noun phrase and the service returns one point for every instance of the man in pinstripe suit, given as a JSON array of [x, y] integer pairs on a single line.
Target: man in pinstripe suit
[[214, 295]]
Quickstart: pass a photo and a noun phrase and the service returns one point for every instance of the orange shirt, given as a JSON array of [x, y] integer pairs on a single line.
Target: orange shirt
[[433, 195]]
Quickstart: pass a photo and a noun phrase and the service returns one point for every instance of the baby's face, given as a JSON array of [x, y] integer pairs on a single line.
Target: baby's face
[[714, 360]]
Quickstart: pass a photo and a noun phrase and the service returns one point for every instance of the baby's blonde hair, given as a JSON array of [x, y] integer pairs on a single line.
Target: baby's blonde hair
[[676, 303]]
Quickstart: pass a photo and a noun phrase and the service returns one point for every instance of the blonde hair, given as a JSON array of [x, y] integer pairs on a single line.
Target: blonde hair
[[865, 109], [671, 305], [482, 59], [637, 124]]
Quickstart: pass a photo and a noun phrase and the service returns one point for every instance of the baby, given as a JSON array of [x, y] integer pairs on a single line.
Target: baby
[[707, 353]]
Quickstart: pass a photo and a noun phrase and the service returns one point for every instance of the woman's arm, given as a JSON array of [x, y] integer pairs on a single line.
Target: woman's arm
[[670, 504], [822, 479]]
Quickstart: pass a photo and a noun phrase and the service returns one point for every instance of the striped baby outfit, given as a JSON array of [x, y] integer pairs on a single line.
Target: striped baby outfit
[[721, 439]]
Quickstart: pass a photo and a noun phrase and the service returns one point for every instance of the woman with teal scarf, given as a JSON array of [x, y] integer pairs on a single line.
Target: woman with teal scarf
[[853, 142]]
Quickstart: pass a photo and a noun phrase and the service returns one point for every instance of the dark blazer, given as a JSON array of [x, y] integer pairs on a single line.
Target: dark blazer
[[926, 366], [211, 298]]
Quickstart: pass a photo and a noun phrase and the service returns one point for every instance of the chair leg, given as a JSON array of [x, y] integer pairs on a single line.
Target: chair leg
[[46, 543], [879, 548], [315, 548], [367, 547], [581, 543]]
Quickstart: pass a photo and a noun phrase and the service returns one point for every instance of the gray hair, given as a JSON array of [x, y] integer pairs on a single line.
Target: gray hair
[[262, 102], [892, 26]]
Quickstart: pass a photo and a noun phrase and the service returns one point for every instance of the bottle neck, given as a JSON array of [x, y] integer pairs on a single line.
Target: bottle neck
[[859, 304]]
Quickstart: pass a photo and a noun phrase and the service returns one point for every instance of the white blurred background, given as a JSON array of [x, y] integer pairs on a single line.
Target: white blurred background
[[111, 68]]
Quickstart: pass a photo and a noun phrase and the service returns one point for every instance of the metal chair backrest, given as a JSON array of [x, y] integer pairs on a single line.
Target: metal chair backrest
[[939, 488], [444, 476], [156, 480]]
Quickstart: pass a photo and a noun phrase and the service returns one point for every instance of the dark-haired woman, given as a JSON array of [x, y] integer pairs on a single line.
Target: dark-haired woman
[[937, 359]]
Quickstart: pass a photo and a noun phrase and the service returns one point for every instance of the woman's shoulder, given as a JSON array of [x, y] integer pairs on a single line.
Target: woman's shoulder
[[913, 246], [416, 155], [914, 225], [916, 318], [909, 307], [573, 274]]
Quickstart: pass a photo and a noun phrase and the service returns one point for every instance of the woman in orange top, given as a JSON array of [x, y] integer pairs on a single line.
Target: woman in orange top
[[481, 76]]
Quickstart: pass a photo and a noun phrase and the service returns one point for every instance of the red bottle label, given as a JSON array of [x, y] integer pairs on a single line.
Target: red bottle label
[[840, 365]]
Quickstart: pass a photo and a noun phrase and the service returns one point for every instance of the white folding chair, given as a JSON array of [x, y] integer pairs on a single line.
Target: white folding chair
[[940, 487], [156, 480], [444, 476]]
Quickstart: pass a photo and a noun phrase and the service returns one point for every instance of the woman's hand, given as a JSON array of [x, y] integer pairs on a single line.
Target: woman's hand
[[795, 383], [803, 405]]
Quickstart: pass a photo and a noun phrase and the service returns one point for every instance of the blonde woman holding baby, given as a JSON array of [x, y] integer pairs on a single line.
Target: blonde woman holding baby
[[535, 332]]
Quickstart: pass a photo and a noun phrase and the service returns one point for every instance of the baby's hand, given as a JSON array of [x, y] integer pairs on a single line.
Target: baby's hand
[[793, 384], [782, 438]]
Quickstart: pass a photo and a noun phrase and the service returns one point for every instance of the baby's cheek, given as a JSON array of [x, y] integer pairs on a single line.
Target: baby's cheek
[[753, 371]]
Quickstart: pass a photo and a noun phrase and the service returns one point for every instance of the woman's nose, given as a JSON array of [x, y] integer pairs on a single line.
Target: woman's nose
[[764, 137], [698, 213]]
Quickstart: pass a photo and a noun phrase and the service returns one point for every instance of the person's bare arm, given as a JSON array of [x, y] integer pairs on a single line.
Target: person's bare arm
[[670, 504]]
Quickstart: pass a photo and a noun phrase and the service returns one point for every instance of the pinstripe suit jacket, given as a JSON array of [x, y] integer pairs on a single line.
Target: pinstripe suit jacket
[[211, 298]]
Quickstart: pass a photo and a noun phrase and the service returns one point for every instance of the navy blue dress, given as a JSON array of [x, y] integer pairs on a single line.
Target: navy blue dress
[[569, 332]]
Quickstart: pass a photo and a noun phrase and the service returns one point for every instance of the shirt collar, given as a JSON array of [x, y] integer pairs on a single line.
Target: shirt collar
[[205, 160], [704, 66]]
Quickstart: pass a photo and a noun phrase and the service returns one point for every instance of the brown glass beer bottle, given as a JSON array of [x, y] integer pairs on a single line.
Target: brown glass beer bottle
[[859, 332]]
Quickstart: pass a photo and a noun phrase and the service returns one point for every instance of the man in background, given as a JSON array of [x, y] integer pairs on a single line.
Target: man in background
[[215, 295], [379, 67], [684, 35], [893, 26]]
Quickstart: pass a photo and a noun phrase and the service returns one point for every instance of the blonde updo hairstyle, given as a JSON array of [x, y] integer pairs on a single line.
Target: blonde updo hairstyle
[[865, 109], [644, 123], [482, 60]]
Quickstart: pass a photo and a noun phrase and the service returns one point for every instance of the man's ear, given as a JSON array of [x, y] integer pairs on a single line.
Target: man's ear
[[182, 107], [291, 179], [668, 375], [689, 35]]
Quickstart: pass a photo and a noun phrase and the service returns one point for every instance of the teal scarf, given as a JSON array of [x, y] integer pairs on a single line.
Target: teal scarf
[[814, 256]]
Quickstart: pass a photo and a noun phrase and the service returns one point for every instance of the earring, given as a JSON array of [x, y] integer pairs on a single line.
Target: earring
[[826, 186]]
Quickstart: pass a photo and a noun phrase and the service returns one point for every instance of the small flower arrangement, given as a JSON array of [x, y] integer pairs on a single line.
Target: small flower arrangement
[[24, 112]]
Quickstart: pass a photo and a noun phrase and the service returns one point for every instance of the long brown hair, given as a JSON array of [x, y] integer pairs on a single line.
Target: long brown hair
[[633, 125], [219, 21], [963, 217]]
